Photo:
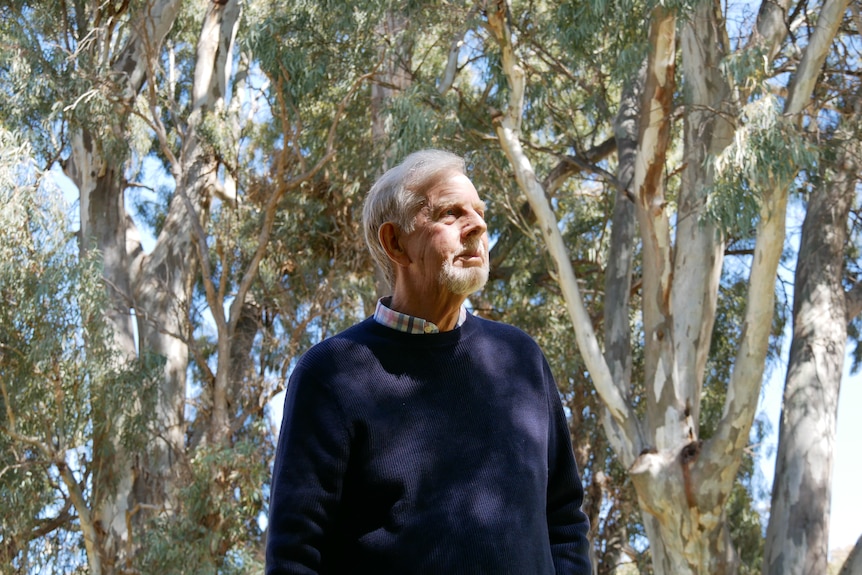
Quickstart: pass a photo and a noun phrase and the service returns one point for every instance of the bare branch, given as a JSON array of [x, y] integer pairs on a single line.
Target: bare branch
[[853, 300], [507, 126], [85, 518], [454, 50]]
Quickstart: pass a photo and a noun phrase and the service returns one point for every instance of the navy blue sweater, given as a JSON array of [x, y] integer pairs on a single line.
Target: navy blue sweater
[[435, 453]]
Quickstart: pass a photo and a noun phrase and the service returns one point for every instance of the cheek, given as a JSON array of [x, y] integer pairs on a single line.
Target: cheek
[[447, 242]]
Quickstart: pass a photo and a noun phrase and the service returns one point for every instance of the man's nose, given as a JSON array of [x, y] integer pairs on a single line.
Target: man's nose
[[476, 225]]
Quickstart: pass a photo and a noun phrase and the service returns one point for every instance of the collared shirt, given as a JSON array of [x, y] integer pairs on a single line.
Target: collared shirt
[[387, 316]]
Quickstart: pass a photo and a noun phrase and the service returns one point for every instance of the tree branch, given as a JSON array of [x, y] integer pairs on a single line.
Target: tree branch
[[853, 299], [507, 127]]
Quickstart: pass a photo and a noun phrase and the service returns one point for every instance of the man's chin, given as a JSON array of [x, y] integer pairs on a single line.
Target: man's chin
[[465, 280]]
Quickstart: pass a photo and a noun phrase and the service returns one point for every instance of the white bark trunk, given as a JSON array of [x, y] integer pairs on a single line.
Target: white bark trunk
[[681, 484], [797, 537], [720, 454], [699, 256], [666, 413], [165, 277], [828, 20]]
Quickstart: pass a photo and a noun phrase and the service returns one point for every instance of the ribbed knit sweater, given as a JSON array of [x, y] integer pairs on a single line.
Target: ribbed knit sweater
[[433, 454]]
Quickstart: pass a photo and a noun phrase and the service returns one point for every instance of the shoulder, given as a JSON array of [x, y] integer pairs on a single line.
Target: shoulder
[[502, 334], [349, 341], [331, 367]]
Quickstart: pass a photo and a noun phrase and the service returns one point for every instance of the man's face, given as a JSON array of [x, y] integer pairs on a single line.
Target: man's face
[[449, 243]]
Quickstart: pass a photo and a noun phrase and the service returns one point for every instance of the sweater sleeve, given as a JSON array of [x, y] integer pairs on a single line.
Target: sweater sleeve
[[567, 524], [310, 461]]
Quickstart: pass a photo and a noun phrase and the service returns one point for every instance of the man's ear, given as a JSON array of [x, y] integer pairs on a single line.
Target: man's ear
[[390, 237]]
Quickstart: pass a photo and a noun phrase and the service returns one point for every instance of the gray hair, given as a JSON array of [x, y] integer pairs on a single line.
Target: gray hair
[[398, 195]]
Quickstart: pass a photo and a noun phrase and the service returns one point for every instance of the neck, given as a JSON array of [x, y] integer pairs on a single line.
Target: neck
[[441, 309]]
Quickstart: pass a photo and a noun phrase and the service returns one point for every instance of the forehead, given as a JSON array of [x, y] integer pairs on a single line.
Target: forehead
[[453, 189]]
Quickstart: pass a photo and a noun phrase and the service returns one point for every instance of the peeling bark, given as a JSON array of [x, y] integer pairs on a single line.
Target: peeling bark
[[681, 483], [699, 256], [664, 411]]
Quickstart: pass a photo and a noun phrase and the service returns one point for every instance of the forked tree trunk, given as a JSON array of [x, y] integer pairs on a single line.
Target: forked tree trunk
[[163, 286], [106, 228], [682, 483], [157, 285]]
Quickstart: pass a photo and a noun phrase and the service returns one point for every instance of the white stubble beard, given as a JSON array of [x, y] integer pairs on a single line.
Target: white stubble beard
[[465, 281]]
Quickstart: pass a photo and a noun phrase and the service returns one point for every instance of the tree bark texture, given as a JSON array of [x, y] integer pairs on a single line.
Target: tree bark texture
[[508, 128], [165, 276], [618, 275], [797, 534], [853, 563], [665, 413], [393, 77], [699, 248], [797, 537]]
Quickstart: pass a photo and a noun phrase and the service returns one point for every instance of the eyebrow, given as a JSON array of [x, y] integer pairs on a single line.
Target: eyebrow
[[481, 205]]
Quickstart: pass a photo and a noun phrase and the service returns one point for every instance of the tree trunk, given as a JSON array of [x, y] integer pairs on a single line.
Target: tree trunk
[[618, 281], [797, 534], [682, 483], [682, 497], [686, 534], [699, 247], [103, 228], [797, 537], [853, 563], [618, 275], [106, 227], [165, 277], [393, 77]]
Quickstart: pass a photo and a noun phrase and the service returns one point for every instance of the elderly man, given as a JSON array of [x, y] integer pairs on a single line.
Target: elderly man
[[425, 440]]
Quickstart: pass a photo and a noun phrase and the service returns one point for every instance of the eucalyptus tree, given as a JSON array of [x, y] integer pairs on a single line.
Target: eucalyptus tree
[[798, 533], [683, 480], [269, 122], [245, 234], [482, 93]]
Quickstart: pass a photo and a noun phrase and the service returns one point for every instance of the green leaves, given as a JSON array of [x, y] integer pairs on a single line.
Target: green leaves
[[216, 529], [768, 150], [66, 397]]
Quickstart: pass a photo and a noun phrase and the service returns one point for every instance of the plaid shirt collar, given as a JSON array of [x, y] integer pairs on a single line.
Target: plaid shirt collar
[[387, 316]]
